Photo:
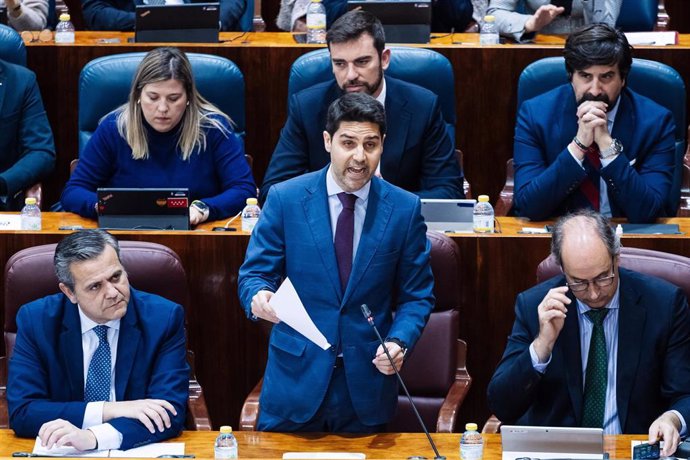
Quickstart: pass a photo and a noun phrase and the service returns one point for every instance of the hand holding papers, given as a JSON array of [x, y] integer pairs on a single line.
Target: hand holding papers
[[148, 451], [289, 309]]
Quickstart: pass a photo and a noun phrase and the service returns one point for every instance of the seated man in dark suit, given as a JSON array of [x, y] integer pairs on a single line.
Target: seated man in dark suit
[[599, 346], [419, 154], [100, 366], [594, 143], [27, 151], [119, 14]]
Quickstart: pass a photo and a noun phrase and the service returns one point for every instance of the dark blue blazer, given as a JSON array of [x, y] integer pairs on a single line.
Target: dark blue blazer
[[547, 178], [27, 151], [418, 153], [293, 239], [46, 372], [119, 14], [653, 373]]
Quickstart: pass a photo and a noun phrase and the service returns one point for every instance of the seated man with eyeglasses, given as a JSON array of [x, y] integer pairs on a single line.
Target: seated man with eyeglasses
[[598, 346]]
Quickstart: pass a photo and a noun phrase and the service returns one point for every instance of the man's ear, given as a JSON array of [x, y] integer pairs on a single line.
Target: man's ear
[[68, 292], [327, 141]]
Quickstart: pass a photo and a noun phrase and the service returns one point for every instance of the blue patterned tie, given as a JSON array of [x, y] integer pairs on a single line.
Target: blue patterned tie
[[596, 374], [98, 377]]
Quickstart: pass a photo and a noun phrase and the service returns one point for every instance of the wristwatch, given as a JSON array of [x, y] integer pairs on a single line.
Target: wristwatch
[[614, 149], [398, 342], [201, 207]]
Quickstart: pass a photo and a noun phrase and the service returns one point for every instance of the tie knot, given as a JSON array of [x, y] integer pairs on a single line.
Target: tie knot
[[101, 332], [347, 200], [597, 315]]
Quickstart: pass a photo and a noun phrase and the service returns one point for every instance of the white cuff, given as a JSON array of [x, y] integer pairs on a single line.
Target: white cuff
[[575, 157], [607, 161], [539, 367], [93, 415], [107, 436], [683, 425]]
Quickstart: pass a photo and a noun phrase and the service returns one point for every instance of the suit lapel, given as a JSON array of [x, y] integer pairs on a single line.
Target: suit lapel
[[572, 357], [398, 116], [71, 352], [624, 124], [127, 344], [631, 324], [379, 211], [316, 211]]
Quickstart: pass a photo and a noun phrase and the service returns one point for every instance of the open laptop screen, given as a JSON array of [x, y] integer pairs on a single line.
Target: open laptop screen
[[143, 208], [188, 22]]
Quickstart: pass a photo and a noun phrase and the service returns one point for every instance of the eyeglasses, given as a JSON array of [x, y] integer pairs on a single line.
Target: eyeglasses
[[601, 282], [32, 36]]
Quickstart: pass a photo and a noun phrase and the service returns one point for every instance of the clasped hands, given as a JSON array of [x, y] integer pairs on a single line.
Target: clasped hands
[[153, 413], [592, 126]]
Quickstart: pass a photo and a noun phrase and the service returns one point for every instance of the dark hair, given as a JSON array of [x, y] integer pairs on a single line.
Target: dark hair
[[359, 107], [78, 247], [351, 26], [596, 221], [597, 44]]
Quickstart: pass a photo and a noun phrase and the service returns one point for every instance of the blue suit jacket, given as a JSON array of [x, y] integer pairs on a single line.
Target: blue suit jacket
[[418, 153], [119, 14], [653, 373], [293, 239], [547, 178], [27, 151], [46, 373]]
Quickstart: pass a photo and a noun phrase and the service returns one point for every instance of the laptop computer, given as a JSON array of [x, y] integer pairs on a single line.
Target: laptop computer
[[143, 208], [404, 21], [545, 442], [188, 22], [448, 215]]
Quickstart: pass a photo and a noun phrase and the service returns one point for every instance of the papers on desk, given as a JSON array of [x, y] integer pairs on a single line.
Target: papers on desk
[[10, 222], [652, 38], [290, 309], [148, 451]]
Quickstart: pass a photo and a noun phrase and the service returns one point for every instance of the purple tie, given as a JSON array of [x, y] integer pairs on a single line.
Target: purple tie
[[344, 233]]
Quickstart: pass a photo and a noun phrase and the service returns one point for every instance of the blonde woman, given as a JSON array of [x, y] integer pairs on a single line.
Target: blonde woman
[[166, 135]]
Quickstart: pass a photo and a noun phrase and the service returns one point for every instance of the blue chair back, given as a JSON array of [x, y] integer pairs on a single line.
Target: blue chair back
[[12, 47], [420, 66], [659, 82], [637, 15], [247, 19], [104, 85]]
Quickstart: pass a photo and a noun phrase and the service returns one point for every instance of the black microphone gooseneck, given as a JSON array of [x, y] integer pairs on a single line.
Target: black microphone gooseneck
[[370, 319]]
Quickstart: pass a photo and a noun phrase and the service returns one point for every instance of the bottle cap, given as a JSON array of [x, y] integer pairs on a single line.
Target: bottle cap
[[471, 427], [483, 198], [64, 17], [226, 429], [489, 18], [30, 201], [253, 200]]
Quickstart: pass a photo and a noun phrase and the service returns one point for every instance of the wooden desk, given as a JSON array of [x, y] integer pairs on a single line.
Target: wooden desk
[[231, 350], [382, 446], [486, 90]]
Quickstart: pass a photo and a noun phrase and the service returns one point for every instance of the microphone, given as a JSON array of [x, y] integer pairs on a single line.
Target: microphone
[[370, 319]]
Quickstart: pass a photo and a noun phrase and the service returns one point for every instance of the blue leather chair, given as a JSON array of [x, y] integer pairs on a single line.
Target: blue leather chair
[[638, 15], [652, 79], [104, 84], [420, 66], [12, 47]]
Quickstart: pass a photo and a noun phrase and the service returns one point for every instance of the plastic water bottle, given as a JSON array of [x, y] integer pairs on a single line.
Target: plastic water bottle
[[483, 216], [64, 30], [226, 444], [316, 22], [250, 215], [31, 215], [488, 34], [471, 443]]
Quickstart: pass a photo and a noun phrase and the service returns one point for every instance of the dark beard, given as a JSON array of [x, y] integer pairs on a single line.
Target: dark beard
[[370, 89], [603, 97]]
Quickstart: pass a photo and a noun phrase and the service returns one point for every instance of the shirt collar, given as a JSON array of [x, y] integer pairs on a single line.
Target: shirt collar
[[87, 323], [382, 95], [611, 114], [332, 187]]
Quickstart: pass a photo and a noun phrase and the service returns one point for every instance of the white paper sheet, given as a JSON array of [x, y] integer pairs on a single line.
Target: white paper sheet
[[148, 451], [10, 222], [290, 309], [652, 38]]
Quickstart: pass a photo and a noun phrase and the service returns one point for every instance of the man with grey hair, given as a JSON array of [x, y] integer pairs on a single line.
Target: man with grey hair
[[100, 365], [598, 346]]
